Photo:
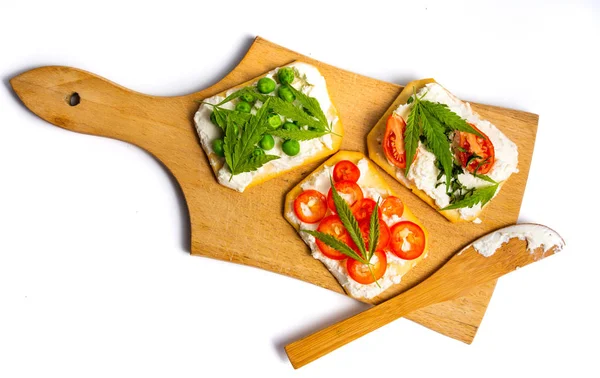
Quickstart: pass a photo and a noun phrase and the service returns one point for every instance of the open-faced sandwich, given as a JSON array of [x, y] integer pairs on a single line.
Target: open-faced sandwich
[[359, 229], [269, 125], [436, 145]]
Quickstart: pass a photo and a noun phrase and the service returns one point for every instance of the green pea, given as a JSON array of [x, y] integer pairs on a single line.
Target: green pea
[[248, 97], [213, 119], [290, 126], [291, 147], [286, 75], [217, 146], [243, 107], [266, 85], [274, 121], [258, 152], [267, 142], [286, 94]]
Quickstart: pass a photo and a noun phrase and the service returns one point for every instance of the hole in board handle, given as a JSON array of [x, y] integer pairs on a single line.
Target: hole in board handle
[[74, 99]]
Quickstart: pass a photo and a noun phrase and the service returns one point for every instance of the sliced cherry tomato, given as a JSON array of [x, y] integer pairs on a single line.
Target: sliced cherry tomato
[[350, 191], [361, 273], [332, 225], [364, 208], [474, 152], [407, 240], [384, 233], [392, 206], [393, 141], [346, 170], [310, 206]]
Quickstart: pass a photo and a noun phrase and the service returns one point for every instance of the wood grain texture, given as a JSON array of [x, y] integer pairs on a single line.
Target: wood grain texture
[[464, 270], [163, 126]]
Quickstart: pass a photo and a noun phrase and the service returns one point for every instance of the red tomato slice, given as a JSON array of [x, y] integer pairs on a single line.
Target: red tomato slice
[[310, 206], [363, 209], [360, 272], [407, 240], [392, 206], [384, 234], [349, 190], [346, 170], [393, 141], [467, 146], [332, 225]]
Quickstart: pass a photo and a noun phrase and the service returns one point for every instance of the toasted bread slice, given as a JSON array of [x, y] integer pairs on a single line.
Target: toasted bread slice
[[376, 136], [375, 183], [312, 150]]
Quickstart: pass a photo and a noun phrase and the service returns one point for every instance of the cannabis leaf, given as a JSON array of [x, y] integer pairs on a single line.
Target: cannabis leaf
[[411, 136], [290, 111], [239, 149], [348, 220], [480, 195], [239, 93], [221, 115], [437, 141], [432, 120], [373, 231], [297, 134], [448, 118], [351, 225], [485, 178], [334, 243], [311, 105]]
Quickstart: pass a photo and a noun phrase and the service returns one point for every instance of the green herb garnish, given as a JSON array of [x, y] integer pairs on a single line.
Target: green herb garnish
[[221, 115], [239, 148], [299, 134], [432, 120], [351, 224], [481, 195], [290, 111]]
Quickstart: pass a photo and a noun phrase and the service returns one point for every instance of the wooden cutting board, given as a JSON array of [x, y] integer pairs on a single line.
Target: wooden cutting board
[[249, 228]]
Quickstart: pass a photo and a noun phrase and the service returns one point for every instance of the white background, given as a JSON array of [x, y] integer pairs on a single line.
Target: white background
[[95, 275]]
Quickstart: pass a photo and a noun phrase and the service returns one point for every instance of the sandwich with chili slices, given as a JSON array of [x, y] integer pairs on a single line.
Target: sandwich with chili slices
[[356, 225]]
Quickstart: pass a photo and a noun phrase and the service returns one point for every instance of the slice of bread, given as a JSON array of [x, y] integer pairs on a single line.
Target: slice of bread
[[376, 135], [371, 179], [318, 147]]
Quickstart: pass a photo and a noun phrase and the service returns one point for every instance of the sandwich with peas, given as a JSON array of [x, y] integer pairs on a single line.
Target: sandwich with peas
[[268, 126]]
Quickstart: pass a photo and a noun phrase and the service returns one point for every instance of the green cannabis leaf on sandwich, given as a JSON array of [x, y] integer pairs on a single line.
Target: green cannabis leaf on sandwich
[[239, 147], [365, 252], [430, 122]]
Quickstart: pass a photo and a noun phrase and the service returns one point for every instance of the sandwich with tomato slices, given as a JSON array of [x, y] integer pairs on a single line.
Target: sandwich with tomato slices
[[436, 145], [365, 270]]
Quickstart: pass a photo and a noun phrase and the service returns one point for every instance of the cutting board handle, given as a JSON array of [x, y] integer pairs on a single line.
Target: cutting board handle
[[86, 103], [80, 101]]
